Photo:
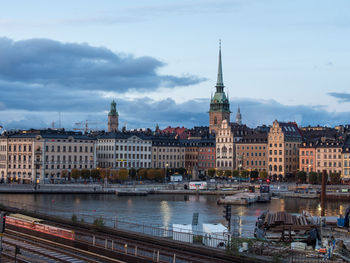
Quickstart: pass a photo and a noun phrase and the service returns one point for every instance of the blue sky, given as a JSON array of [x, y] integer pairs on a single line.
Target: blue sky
[[285, 60]]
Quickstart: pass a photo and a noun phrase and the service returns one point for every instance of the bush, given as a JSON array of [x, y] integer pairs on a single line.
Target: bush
[[335, 178], [313, 178], [301, 176], [74, 218], [245, 174], [98, 222], [235, 173], [227, 173], [211, 172], [254, 175], [263, 175]]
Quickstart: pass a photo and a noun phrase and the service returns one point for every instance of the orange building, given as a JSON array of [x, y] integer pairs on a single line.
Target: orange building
[[307, 157]]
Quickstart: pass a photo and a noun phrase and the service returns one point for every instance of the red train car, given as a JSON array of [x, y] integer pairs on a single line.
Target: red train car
[[36, 224]]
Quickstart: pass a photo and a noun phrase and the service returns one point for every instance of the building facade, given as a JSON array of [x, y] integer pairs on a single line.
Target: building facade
[[41, 155], [329, 156], [206, 155], [252, 152], [284, 140], [167, 153], [346, 161], [307, 156], [124, 150], [226, 138]]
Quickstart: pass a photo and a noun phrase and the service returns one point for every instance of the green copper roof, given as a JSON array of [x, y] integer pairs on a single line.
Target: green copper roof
[[113, 111]]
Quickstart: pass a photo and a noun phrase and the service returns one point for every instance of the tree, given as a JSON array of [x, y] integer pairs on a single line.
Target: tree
[[235, 173], [335, 178], [254, 175], [301, 176], [220, 173], [75, 174], [227, 173], [114, 175], [95, 174], [150, 174], [159, 175], [105, 172], [64, 174], [263, 175], [181, 171], [132, 173], [313, 178], [142, 173], [211, 172], [123, 174], [319, 178], [244, 173], [85, 174]]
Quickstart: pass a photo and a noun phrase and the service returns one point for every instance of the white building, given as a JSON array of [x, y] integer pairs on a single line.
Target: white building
[[124, 150]]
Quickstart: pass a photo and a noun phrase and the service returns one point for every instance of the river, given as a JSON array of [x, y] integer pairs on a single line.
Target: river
[[161, 210]]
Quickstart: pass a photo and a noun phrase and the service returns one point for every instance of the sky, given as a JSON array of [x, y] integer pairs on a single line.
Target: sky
[[284, 60]]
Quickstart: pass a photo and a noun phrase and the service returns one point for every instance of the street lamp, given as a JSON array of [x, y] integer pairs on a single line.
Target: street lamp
[[239, 172], [166, 171]]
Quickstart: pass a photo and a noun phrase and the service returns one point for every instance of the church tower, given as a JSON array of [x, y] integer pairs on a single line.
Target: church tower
[[239, 116], [113, 118], [219, 104]]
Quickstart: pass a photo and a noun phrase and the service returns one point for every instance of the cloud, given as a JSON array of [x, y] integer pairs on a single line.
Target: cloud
[[146, 113], [342, 97], [42, 74]]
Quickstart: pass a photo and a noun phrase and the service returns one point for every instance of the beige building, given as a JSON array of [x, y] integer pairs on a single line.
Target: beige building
[[41, 155], [284, 140], [167, 153], [226, 138], [252, 152], [329, 156]]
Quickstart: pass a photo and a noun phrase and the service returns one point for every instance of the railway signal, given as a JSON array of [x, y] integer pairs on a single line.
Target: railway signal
[[227, 212], [227, 216], [2, 222]]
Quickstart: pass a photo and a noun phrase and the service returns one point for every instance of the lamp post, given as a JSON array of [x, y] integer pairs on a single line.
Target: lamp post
[[239, 172], [308, 173], [166, 171]]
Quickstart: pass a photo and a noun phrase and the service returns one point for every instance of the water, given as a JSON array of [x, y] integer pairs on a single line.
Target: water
[[162, 210]]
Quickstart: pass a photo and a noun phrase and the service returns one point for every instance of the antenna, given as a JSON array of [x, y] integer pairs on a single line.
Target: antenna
[[59, 120]]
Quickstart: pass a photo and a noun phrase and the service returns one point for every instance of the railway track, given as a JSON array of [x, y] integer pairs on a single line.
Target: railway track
[[38, 250], [129, 246]]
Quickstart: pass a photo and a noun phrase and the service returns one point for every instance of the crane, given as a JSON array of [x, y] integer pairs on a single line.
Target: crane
[[84, 126]]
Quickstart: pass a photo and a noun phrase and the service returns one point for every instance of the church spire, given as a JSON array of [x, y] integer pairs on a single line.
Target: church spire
[[220, 82], [239, 116]]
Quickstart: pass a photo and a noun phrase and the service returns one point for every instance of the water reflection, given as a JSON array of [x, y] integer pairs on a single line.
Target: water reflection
[[162, 210]]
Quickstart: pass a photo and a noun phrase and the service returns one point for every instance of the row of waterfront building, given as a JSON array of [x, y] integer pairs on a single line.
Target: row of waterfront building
[[281, 149]]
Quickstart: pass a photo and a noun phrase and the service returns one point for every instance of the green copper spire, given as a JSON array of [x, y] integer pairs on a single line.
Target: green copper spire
[[113, 111], [219, 102], [220, 82]]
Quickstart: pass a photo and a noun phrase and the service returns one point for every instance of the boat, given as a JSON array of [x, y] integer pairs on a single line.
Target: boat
[[238, 199]]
